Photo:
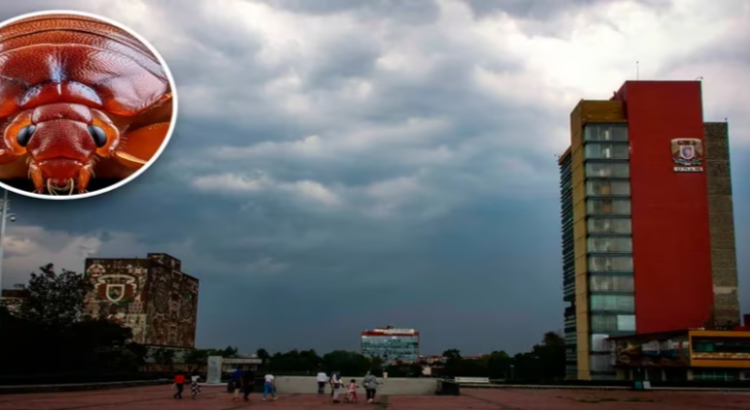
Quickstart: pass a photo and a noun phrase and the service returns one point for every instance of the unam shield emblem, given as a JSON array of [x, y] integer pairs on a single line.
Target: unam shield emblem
[[115, 292], [687, 151]]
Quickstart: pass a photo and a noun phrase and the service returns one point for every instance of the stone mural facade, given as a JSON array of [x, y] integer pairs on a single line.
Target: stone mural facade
[[151, 296]]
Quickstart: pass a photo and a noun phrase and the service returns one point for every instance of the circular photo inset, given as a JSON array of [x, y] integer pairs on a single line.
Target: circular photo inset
[[86, 105]]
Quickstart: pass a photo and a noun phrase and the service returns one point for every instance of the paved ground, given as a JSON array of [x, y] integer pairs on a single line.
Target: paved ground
[[159, 398]]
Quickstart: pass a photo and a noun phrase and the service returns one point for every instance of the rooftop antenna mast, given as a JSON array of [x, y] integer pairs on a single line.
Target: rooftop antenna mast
[[637, 71]]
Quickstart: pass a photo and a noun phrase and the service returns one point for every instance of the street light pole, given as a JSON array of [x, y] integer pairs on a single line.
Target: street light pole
[[4, 216]]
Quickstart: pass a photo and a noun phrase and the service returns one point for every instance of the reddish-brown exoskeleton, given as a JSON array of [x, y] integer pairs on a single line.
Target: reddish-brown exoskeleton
[[78, 98]]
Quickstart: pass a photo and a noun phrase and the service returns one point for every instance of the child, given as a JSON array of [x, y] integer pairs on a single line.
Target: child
[[195, 388], [351, 394]]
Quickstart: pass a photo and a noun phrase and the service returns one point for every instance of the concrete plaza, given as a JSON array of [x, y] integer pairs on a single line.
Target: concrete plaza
[[215, 398]]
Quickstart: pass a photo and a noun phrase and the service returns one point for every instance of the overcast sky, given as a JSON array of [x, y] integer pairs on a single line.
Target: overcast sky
[[345, 164]]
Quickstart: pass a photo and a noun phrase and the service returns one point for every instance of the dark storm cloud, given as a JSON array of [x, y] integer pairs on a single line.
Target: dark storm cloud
[[401, 11], [542, 9], [469, 254]]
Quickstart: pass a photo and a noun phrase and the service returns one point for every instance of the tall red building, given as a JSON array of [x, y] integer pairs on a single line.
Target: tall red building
[[647, 220]]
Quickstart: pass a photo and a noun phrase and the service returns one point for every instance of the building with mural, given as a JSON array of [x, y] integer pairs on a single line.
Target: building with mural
[[647, 221], [150, 295], [684, 355], [391, 345]]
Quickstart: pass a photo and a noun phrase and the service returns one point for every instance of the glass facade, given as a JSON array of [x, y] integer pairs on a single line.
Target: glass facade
[[604, 170], [609, 244], [607, 150], [608, 206], [391, 348], [600, 187], [614, 263], [620, 226], [606, 244], [615, 303], [611, 283], [612, 323], [605, 132], [724, 375]]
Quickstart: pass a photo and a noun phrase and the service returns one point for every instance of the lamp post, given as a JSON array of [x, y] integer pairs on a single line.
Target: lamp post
[[512, 375], [5, 215]]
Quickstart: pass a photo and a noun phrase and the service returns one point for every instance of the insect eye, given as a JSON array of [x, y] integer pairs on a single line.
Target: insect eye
[[25, 134], [98, 135]]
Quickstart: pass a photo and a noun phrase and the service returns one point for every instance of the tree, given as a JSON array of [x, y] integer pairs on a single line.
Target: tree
[[498, 365], [348, 363], [227, 352], [55, 300], [196, 358], [164, 358], [551, 354], [404, 370], [262, 354], [452, 354]]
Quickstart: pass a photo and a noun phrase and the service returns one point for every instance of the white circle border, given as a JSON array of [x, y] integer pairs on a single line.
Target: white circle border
[[172, 123]]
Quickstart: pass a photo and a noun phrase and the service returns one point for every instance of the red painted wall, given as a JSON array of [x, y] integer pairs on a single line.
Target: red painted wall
[[671, 243]]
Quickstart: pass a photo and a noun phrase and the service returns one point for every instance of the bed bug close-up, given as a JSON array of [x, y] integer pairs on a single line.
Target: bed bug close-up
[[80, 99]]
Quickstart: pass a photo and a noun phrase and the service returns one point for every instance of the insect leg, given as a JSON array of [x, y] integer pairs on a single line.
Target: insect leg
[[37, 178], [6, 157], [138, 147], [84, 177]]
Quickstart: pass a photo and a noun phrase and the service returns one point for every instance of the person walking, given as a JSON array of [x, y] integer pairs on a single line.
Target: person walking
[[322, 378], [351, 393], [195, 388], [336, 386], [179, 384], [371, 385], [236, 384], [248, 382], [269, 386]]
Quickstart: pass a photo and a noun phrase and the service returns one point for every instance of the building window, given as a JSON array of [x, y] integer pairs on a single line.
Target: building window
[[603, 283], [599, 343], [626, 323], [609, 225], [610, 263], [601, 363], [599, 187], [605, 132], [612, 323], [603, 323], [715, 374], [608, 206], [605, 170], [605, 244], [618, 303], [724, 345], [606, 151]]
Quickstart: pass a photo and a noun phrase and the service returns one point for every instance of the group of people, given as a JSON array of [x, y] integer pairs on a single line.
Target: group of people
[[179, 383], [370, 384], [244, 381]]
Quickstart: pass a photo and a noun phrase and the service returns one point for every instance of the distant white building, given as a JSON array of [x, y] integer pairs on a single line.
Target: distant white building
[[391, 344]]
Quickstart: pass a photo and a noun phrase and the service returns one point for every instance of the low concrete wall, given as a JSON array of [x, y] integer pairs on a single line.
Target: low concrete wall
[[390, 386]]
